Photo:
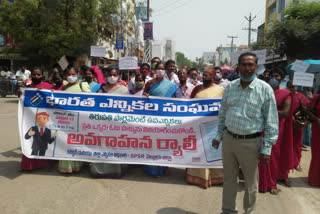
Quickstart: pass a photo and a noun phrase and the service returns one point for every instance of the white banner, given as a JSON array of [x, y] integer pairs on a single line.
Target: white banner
[[300, 66], [119, 129], [98, 51], [128, 63], [303, 79]]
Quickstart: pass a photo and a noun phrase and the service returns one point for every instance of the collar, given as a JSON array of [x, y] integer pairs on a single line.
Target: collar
[[252, 85]]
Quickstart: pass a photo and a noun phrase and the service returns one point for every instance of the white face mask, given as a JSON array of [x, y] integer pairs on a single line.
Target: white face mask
[[72, 79], [112, 80], [160, 73]]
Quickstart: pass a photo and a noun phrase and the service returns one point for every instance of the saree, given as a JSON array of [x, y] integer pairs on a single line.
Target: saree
[[314, 170], [28, 163], [269, 173], [164, 88], [94, 87], [206, 177]]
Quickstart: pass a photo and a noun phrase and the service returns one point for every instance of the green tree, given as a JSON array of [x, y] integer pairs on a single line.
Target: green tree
[[298, 34], [48, 29], [198, 64], [181, 60]]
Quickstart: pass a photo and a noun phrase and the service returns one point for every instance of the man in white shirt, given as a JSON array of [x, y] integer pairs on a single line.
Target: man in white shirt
[[193, 77], [23, 74], [219, 80], [170, 75]]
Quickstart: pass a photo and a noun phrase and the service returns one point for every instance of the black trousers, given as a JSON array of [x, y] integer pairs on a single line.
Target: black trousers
[[38, 152]]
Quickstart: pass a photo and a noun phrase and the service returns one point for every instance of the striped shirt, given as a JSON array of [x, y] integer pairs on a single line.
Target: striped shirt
[[249, 110]]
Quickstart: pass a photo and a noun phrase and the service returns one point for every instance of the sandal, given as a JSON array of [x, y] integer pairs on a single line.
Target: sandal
[[275, 191], [298, 168]]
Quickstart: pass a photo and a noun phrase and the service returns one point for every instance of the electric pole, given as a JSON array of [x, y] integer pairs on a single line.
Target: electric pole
[[232, 37], [250, 19], [148, 10]]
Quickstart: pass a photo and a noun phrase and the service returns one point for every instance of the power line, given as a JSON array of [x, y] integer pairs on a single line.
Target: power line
[[250, 20], [166, 6], [171, 9]]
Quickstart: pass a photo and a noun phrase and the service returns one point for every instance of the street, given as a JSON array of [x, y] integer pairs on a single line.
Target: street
[[47, 191]]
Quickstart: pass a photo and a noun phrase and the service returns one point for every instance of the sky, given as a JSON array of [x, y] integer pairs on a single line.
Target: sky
[[200, 26]]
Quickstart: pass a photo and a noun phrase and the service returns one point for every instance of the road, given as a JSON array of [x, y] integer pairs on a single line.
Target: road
[[47, 191]]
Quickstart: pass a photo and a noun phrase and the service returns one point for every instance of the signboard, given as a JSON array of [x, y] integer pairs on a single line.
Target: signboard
[[148, 30], [128, 63], [2, 40], [63, 62], [98, 51], [303, 79], [261, 69], [119, 41], [119, 129], [300, 66], [141, 13], [261, 54]]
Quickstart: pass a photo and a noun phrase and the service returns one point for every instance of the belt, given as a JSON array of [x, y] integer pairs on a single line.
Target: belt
[[249, 136]]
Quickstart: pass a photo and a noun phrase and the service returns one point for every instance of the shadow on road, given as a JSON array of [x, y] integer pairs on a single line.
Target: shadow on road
[[14, 153], [173, 210], [12, 101]]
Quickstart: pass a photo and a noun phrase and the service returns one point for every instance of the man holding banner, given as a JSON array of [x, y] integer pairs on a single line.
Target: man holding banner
[[247, 109]]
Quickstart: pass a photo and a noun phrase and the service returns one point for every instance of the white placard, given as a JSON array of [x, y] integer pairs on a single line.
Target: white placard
[[128, 63], [300, 66], [261, 54], [303, 79], [98, 51], [63, 62], [261, 69]]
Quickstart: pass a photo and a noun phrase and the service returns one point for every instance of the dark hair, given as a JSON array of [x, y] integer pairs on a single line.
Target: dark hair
[[108, 70], [37, 68], [84, 68], [192, 69], [217, 68], [152, 60], [170, 61], [247, 54], [160, 63], [91, 70], [69, 68], [140, 75], [145, 64], [278, 71], [58, 68], [55, 74]]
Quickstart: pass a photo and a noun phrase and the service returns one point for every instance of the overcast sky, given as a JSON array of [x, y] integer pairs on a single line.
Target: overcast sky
[[200, 26]]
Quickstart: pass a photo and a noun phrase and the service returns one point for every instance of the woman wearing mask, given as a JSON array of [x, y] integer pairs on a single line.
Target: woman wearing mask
[[89, 77], [281, 160], [57, 80], [108, 170], [139, 85], [73, 86], [161, 88], [28, 163], [297, 100]]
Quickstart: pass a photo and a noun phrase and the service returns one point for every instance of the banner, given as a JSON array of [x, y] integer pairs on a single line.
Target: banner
[[98, 51], [119, 129]]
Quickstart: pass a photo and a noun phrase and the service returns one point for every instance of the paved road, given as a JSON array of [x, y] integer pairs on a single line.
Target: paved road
[[47, 191]]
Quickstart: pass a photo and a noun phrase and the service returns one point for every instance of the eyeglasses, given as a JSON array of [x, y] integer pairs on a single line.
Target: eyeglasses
[[250, 65]]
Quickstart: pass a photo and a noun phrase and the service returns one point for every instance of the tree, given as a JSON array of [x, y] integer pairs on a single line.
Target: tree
[[198, 64], [298, 34], [49, 29], [181, 60]]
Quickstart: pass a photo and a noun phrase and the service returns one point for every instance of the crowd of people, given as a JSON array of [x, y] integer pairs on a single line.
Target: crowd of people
[[269, 123]]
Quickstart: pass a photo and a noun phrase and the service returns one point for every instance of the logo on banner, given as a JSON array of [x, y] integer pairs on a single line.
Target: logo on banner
[[196, 159], [36, 99]]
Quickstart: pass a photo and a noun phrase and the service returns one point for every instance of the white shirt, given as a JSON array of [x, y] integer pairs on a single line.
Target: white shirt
[[174, 79], [24, 75], [224, 83]]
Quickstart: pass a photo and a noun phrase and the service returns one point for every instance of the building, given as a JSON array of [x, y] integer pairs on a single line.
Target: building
[[208, 57], [222, 55], [164, 49]]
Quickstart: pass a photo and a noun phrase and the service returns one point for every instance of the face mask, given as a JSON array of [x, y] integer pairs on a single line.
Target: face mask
[[72, 79], [293, 90], [218, 76], [58, 83], [160, 73], [247, 79], [36, 81], [207, 82], [171, 70], [88, 78], [153, 66], [274, 83], [112, 80], [139, 84]]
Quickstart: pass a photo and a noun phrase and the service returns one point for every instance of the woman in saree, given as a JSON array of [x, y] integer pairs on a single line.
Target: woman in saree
[[28, 163], [138, 86], [206, 177], [314, 113], [161, 88], [279, 161], [297, 100], [66, 166], [89, 77], [109, 170]]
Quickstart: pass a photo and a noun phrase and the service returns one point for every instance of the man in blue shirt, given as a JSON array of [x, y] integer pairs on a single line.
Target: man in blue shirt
[[248, 107]]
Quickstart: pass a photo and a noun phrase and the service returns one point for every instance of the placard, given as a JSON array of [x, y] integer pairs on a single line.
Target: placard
[[63, 62], [300, 66], [128, 63], [303, 79], [98, 51]]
